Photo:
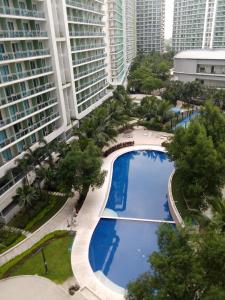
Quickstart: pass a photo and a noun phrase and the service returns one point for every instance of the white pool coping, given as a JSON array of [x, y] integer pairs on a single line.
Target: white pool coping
[[87, 220]]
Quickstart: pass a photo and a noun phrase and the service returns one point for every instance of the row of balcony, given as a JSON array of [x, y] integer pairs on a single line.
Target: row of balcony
[[28, 129], [85, 20], [23, 54], [94, 91], [22, 114], [87, 47], [79, 4], [89, 71], [22, 33], [88, 59], [27, 93], [86, 33], [5, 10], [85, 85], [20, 75]]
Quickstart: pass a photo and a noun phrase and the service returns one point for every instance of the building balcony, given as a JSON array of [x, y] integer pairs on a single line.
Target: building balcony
[[92, 93], [88, 59], [29, 129], [23, 54], [77, 34], [21, 75], [26, 113], [78, 4], [7, 34], [5, 10], [89, 83], [89, 71], [77, 48], [24, 94], [85, 20]]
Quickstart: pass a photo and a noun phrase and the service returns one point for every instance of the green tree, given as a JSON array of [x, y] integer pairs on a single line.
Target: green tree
[[188, 265], [199, 164], [26, 195], [81, 169]]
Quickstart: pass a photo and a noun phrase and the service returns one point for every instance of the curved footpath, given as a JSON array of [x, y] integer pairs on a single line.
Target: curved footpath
[[89, 216], [58, 222]]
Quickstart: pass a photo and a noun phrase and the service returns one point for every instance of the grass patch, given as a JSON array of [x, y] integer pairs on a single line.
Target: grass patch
[[9, 239], [19, 239], [179, 198], [57, 250]]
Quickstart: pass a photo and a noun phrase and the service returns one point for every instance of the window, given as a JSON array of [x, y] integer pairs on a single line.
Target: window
[[19, 68], [22, 5], [25, 26], [26, 104], [2, 49], [10, 26], [7, 155], [15, 47], [37, 26], [2, 136], [9, 91], [29, 46], [6, 3], [4, 70]]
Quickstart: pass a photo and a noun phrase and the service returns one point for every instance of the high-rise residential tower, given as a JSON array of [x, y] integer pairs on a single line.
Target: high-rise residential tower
[[55, 68], [150, 25], [198, 24]]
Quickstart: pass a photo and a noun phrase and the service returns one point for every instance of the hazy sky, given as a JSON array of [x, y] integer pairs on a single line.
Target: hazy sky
[[169, 19]]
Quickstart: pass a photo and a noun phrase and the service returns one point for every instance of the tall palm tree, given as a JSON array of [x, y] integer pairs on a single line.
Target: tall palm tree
[[26, 195]]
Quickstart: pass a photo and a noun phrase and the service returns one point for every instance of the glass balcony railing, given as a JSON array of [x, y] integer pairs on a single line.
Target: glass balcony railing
[[87, 47], [89, 71], [22, 33], [88, 59], [86, 33], [78, 4], [27, 93], [87, 84], [85, 20], [20, 75], [28, 130], [28, 112], [93, 91], [23, 54], [10, 183], [5, 10]]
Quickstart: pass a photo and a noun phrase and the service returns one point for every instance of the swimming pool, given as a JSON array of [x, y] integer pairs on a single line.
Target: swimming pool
[[187, 120], [126, 234]]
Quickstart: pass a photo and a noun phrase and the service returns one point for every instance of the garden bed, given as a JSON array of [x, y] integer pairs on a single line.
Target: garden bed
[[57, 249]]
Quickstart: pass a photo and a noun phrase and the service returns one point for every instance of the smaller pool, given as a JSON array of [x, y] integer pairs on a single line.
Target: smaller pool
[[184, 122]]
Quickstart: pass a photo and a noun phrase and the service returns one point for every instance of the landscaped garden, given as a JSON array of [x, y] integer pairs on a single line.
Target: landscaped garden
[[190, 263], [54, 249]]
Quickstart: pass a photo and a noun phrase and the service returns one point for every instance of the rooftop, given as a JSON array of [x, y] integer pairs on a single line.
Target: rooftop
[[218, 54]]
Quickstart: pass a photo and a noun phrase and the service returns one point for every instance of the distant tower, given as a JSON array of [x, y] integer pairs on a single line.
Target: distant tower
[[150, 25], [198, 24]]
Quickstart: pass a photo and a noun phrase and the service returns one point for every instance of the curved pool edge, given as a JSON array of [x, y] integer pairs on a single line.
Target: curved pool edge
[[87, 221], [172, 205]]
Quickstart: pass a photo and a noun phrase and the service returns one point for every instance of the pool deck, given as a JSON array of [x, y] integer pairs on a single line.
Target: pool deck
[[92, 287]]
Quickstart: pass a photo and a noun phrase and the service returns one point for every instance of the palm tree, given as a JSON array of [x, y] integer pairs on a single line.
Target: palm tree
[[26, 195]]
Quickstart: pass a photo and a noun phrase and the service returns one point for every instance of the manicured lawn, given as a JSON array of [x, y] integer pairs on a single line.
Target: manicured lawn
[[57, 250], [179, 199]]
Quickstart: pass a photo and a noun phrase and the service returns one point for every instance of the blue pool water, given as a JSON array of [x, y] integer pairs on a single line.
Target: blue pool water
[[120, 248], [139, 185], [185, 121]]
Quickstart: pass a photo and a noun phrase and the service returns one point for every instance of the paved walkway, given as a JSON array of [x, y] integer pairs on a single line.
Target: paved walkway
[[100, 288], [59, 221]]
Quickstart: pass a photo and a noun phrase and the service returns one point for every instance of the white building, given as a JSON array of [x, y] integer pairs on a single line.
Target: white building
[[54, 69], [198, 24], [206, 66], [150, 25]]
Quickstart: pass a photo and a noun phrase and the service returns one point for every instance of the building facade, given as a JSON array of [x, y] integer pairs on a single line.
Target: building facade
[[55, 68], [204, 65], [150, 25], [198, 24]]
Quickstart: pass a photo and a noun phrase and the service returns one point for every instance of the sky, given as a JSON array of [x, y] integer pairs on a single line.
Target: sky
[[169, 19]]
